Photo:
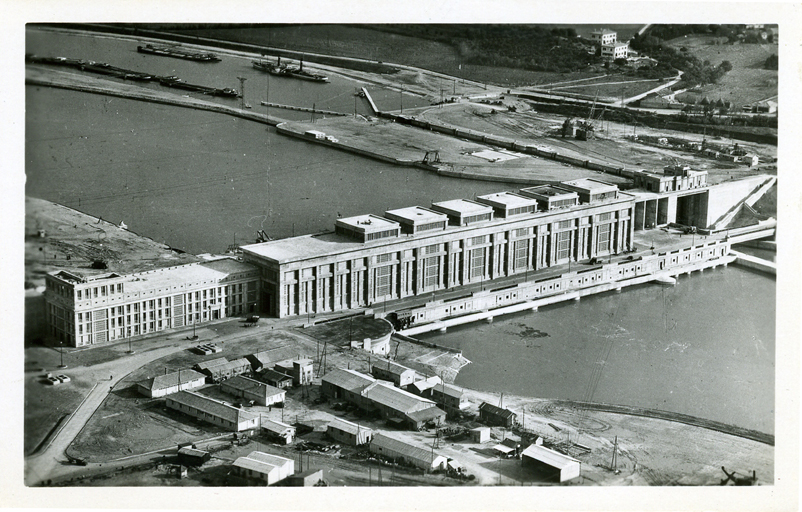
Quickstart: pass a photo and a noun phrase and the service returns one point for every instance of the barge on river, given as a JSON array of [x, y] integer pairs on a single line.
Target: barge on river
[[179, 53]]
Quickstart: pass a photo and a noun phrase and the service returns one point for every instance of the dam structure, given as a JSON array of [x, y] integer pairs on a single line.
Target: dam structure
[[468, 258], [409, 255]]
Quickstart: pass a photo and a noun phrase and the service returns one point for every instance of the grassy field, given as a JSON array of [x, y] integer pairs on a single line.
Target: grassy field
[[747, 82]]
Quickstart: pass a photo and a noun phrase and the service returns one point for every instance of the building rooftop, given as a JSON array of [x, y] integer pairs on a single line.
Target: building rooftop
[[211, 362], [550, 457], [170, 380], [405, 449], [274, 375], [548, 191], [603, 31], [394, 398], [326, 244], [507, 200], [268, 458], [367, 223], [247, 384], [351, 380], [590, 184], [254, 465], [415, 215], [391, 368], [347, 426], [498, 411], [448, 390], [426, 414], [172, 276], [229, 266], [276, 427], [462, 207], [211, 406]]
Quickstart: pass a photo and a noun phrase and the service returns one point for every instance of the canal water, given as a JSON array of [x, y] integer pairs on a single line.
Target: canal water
[[201, 181], [704, 347]]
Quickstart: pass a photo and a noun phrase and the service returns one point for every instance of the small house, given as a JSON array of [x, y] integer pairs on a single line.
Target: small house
[[189, 456], [399, 451], [300, 369], [264, 468], [480, 434], [449, 397], [308, 478], [170, 383], [277, 431], [348, 433], [554, 466], [251, 389], [494, 415], [398, 374], [276, 379]]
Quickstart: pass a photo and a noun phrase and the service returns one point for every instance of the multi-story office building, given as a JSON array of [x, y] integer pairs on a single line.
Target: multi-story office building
[[84, 310], [414, 251]]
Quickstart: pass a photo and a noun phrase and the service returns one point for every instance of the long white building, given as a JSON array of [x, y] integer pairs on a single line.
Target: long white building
[[413, 251]]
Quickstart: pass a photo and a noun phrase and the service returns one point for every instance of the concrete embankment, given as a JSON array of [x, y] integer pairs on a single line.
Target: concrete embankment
[[755, 263], [303, 109], [80, 83], [746, 433]]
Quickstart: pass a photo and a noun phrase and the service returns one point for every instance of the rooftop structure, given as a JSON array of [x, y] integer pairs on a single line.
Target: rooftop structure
[[509, 204], [463, 212], [591, 190], [366, 228], [416, 219], [400, 375], [394, 398], [549, 197]]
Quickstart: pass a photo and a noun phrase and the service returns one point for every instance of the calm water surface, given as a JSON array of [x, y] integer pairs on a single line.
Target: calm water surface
[[200, 181]]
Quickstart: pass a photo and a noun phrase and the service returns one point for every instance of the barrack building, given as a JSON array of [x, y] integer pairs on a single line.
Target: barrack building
[[415, 250]]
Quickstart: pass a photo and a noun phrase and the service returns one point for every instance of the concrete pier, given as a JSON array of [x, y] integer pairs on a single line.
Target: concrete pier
[[755, 263]]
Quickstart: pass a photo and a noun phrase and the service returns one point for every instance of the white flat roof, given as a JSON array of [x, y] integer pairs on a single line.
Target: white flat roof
[[416, 215], [170, 276], [507, 200], [368, 223], [549, 191], [590, 185], [463, 207]]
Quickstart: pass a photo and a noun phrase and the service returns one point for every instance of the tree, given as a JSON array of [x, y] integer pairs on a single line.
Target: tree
[[726, 66], [772, 62]]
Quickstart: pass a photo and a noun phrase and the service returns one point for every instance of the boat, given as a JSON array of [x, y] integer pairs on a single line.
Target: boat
[[280, 69], [179, 53], [171, 81]]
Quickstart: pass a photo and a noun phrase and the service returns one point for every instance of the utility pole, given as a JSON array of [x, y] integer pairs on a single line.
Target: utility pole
[[614, 463], [62, 365], [241, 92]]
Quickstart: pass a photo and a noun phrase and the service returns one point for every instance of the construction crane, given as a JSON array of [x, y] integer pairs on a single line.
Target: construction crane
[[585, 128]]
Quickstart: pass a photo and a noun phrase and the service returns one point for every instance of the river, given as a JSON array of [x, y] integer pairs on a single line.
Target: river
[[201, 181]]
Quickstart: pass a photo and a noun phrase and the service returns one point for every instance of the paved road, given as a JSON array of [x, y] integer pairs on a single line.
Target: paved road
[[49, 463]]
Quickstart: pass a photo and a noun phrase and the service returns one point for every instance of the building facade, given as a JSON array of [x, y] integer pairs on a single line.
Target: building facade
[[615, 51], [85, 310], [603, 36], [371, 259]]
